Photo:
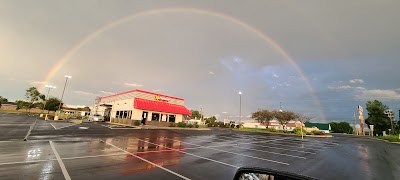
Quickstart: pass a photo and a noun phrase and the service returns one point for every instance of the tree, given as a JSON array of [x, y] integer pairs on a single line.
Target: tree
[[3, 100], [284, 117], [23, 105], [377, 116], [210, 120], [195, 114], [341, 127], [33, 95], [38, 105], [52, 104], [303, 118], [263, 116]]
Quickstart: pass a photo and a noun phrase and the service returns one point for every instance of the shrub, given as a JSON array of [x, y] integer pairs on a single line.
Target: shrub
[[171, 125], [232, 126], [209, 125], [196, 126], [136, 123], [298, 131], [238, 126], [190, 125], [181, 124]]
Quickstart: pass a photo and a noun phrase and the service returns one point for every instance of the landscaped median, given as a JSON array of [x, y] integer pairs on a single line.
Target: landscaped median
[[391, 138], [294, 132]]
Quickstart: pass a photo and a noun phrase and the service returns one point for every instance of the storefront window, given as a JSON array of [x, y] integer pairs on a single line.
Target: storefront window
[[171, 118], [155, 116], [117, 114], [125, 114], [129, 114]]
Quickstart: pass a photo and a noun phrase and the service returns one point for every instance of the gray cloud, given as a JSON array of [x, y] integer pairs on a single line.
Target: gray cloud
[[174, 50]]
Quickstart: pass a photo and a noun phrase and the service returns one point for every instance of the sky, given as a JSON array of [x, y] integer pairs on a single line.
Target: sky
[[319, 58]]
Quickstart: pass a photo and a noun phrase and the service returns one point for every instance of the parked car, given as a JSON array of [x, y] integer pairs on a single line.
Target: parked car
[[96, 117]]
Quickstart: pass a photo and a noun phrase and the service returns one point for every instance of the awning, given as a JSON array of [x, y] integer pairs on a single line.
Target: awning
[[160, 106]]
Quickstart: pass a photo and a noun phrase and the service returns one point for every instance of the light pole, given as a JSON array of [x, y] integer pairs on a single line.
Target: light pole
[[240, 107], [66, 80], [47, 97]]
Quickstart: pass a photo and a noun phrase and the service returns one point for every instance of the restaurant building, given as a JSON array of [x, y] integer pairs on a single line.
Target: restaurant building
[[152, 108]]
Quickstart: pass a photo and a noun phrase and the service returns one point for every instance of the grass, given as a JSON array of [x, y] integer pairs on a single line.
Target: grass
[[202, 126], [16, 111], [390, 138], [272, 130]]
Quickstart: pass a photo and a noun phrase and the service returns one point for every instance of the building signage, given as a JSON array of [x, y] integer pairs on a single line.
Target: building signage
[[161, 98]]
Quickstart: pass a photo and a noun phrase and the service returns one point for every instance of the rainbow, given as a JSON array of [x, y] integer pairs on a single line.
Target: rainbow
[[233, 20]]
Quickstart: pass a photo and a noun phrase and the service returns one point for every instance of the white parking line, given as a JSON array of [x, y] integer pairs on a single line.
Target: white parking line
[[181, 151], [29, 131], [63, 169], [103, 155], [145, 160], [300, 144], [271, 152], [273, 147], [67, 126], [312, 143], [232, 152], [26, 162], [53, 126]]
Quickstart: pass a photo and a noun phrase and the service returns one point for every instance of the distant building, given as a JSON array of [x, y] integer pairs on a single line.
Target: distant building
[[323, 127], [138, 105]]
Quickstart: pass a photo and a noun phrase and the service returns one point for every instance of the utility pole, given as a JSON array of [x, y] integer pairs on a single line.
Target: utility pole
[[47, 97], [66, 80], [354, 119], [240, 107], [201, 111]]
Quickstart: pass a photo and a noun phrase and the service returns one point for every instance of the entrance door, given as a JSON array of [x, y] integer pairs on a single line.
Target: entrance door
[[107, 113], [144, 117]]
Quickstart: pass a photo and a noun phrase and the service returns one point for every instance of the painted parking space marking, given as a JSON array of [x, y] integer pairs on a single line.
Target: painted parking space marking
[[60, 162], [191, 154], [27, 162], [145, 160], [254, 157], [67, 126], [53, 125]]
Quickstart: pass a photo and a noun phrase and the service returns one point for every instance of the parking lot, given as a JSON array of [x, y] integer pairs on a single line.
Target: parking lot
[[62, 150]]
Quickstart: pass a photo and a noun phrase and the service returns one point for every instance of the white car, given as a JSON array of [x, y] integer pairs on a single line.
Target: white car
[[96, 117]]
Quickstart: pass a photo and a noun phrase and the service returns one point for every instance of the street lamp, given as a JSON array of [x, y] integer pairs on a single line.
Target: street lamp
[[66, 80], [47, 97], [240, 107]]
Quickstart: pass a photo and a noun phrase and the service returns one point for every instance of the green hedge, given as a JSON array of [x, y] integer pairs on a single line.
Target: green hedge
[[390, 138]]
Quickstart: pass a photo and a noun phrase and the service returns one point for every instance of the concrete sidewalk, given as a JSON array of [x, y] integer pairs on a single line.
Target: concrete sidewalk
[[155, 127]]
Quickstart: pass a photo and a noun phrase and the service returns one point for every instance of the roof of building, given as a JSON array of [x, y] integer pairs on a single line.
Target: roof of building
[[160, 106], [320, 126], [137, 90]]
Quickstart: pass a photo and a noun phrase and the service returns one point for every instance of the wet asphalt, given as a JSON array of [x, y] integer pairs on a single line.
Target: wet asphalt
[[62, 150]]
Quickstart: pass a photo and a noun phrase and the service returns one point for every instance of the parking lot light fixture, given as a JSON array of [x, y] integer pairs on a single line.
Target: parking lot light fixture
[[240, 107]]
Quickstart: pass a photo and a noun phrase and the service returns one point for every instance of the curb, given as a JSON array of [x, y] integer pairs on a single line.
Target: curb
[[165, 128], [317, 136]]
